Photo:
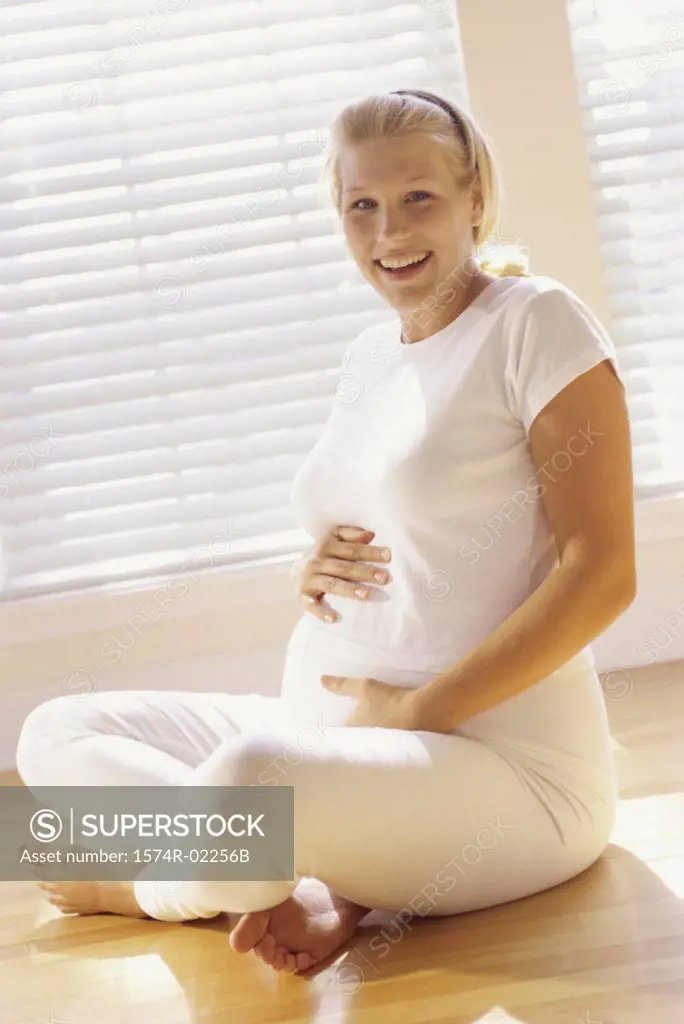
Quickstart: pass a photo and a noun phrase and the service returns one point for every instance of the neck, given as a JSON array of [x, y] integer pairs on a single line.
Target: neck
[[425, 320]]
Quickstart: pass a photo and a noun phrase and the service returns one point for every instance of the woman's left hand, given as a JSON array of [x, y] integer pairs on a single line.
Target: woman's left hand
[[384, 705]]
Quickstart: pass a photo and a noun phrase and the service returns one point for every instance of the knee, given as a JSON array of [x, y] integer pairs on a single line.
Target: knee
[[49, 724], [252, 759]]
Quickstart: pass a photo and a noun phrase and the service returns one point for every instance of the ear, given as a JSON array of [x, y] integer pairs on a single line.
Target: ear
[[477, 203]]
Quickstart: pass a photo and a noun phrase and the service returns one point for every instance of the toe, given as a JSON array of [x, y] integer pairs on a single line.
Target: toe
[[279, 958], [62, 905], [266, 948], [304, 961], [290, 963], [249, 930]]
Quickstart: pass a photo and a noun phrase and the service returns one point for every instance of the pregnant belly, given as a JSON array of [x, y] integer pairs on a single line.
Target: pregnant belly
[[563, 713], [314, 651]]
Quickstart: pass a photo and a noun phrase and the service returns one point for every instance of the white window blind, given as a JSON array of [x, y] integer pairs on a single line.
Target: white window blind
[[174, 298], [629, 58]]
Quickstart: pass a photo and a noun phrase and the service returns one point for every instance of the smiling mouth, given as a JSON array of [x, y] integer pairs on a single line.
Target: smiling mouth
[[412, 270]]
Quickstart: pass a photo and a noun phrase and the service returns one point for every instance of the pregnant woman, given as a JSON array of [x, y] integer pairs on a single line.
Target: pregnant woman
[[470, 506]]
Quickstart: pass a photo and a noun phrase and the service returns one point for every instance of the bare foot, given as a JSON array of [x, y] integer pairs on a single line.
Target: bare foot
[[304, 930], [93, 898]]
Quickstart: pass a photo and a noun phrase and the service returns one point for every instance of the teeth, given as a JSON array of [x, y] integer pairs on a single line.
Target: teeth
[[394, 264]]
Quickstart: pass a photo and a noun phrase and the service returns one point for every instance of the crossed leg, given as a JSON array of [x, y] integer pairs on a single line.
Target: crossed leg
[[384, 818]]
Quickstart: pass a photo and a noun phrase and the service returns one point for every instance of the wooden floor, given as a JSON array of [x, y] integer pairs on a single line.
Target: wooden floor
[[605, 948]]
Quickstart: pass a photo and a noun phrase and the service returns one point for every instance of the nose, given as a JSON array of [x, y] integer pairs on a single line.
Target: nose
[[393, 226]]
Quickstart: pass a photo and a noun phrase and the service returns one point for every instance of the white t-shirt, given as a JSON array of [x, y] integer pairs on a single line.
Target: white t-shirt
[[426, 444]]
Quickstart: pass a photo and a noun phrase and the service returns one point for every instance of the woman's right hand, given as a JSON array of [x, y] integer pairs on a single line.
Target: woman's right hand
[[337, 566]]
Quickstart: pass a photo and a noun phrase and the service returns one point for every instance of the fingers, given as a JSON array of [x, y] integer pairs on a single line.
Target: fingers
[[337, 578], [317, 586], [344, 579], [352, 533], [314, 604], [341, 576], [356, 572], [355, 551], [354, 541], [344, 575]]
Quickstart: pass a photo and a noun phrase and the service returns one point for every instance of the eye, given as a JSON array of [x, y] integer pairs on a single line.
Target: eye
[[355, 206]]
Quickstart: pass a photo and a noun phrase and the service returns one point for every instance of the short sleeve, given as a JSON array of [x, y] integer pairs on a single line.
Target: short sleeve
[[556, 339]]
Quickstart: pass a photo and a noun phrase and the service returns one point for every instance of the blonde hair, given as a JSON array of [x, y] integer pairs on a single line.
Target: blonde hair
[[466, 149]]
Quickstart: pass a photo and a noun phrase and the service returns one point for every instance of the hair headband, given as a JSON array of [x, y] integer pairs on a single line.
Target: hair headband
[[430, 97]]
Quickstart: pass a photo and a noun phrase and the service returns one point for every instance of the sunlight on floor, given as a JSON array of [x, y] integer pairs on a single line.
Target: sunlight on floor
[[497, 1015], [651, 827], [136, 975], [670, 871]]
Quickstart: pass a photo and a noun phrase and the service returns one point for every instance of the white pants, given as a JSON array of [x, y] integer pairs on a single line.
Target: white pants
[[514, 801]]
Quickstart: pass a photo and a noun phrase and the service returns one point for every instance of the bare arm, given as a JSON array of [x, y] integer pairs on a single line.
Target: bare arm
[[590, 512]]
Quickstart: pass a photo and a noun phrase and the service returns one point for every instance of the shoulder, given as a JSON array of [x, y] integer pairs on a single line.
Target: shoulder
[[538, 292], [553, 337], [538, 304]]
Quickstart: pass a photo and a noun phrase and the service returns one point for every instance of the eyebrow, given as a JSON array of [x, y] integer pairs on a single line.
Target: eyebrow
[[424, 176]]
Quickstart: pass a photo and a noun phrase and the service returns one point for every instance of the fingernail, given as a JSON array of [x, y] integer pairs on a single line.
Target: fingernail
[[360, 592], [329, 618], [386, 554], [380, 577]]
